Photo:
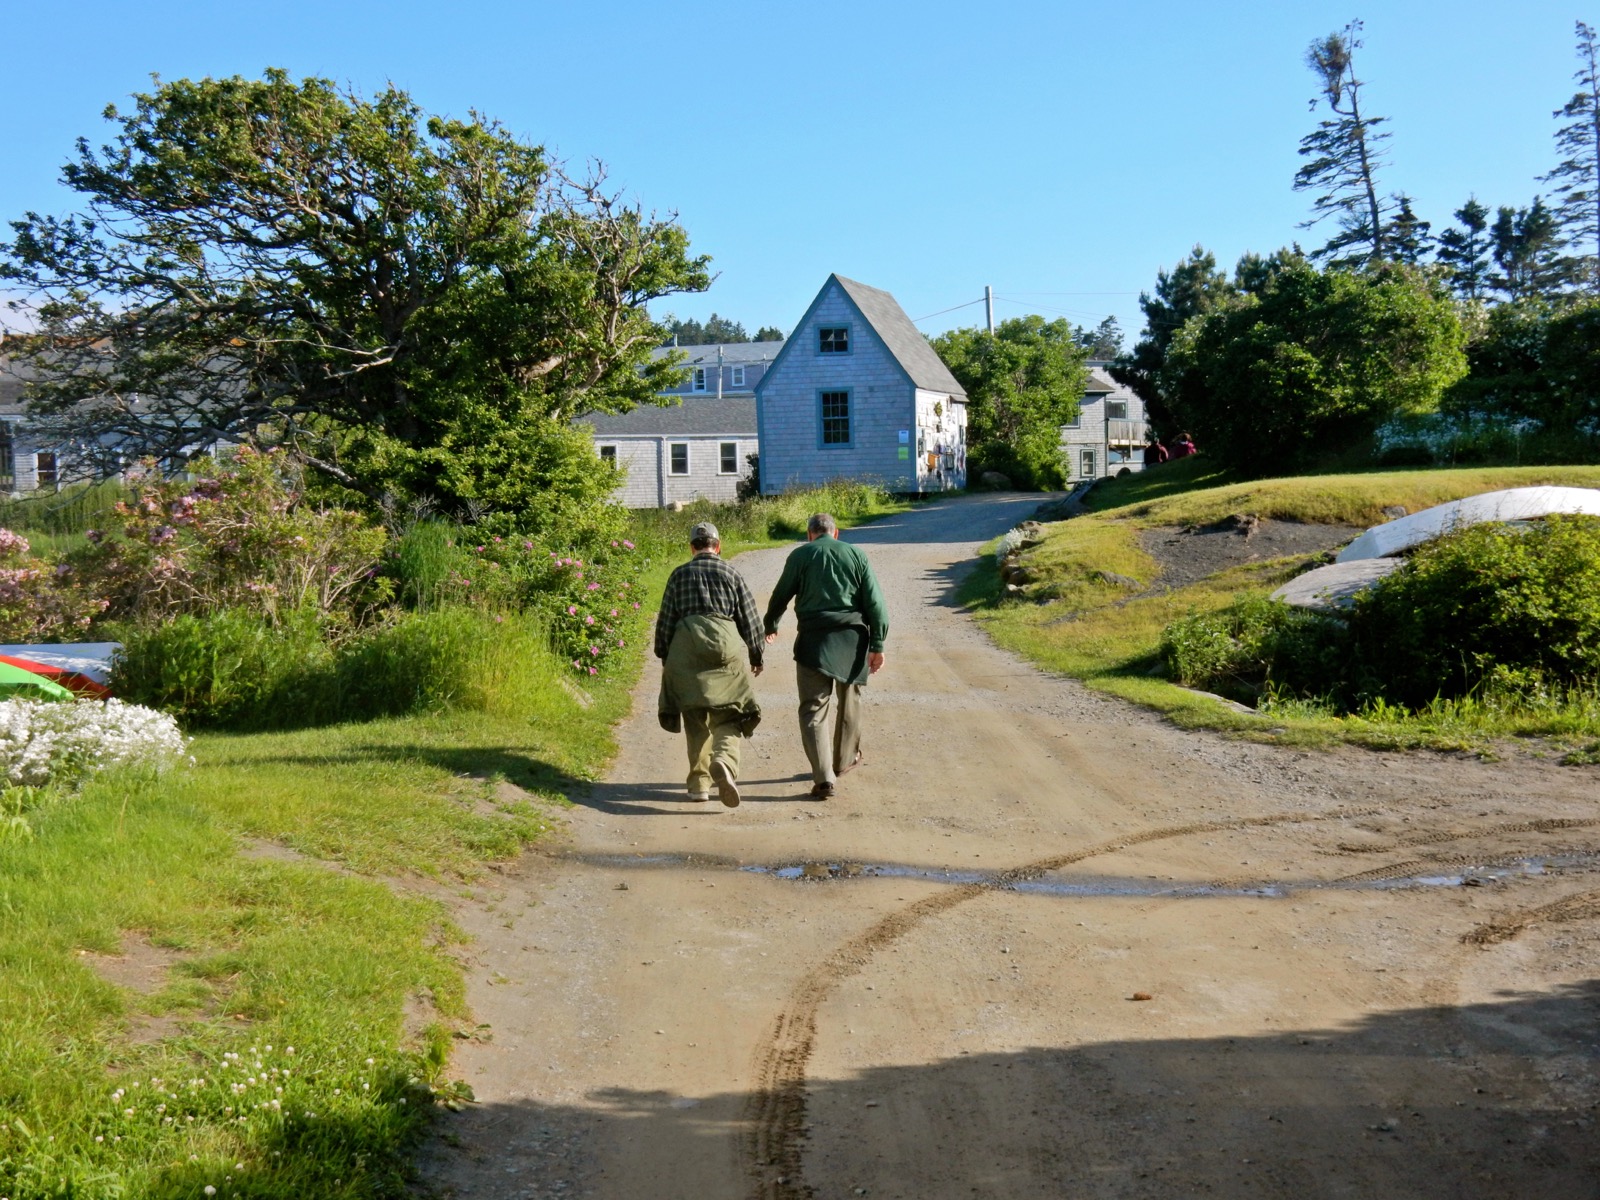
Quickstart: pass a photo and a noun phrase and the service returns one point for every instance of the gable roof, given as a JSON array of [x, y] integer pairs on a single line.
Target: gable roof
[[1100, 384], [697, 415], [910, 349], [883, 314]]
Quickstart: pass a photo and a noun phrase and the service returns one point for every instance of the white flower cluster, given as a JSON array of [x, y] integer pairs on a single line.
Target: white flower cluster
[[43, 741], [1011, 540]]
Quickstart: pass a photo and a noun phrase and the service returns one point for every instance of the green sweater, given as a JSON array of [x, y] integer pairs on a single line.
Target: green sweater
[[838, 604]]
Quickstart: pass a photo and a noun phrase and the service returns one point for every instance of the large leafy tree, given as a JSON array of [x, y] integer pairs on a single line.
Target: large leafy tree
[[1023, 383], [1309, 362], [1535, 360], [1343, 155], [1190, 289], [1577, 177], [414, 305]]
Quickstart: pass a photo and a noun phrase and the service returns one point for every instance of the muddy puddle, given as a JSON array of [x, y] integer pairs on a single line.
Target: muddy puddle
[[1099, 886]]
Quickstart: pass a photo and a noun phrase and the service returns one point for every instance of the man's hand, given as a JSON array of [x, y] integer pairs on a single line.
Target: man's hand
[[771, 637], [874, 663], [756, 670]]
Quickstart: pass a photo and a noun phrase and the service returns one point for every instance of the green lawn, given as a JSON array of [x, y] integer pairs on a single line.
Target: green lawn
[[1074, 622]]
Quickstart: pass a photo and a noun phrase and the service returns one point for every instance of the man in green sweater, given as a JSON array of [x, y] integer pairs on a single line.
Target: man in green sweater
[[843, 626]]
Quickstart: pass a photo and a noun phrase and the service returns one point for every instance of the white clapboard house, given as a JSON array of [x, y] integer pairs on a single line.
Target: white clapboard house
[[858, 393]]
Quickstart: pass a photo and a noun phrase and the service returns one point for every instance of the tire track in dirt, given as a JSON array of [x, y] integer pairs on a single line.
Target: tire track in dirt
[[1503, 929], [775, 1113], [1438, 837]]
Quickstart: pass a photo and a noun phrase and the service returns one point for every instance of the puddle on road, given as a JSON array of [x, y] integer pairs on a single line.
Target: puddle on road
[[1085, 886]]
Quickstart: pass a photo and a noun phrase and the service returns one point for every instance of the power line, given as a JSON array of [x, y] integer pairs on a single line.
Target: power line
[[1020, 293], [1064, 312], [942, 311]]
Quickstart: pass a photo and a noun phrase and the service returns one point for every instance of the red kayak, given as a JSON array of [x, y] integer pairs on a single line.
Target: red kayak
[[75, 682]]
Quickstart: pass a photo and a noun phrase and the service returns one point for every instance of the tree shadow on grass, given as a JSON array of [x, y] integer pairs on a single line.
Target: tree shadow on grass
[[1492, 1099]]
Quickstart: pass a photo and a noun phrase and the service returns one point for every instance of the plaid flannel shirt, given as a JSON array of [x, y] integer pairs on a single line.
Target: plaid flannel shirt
[[707, 585]]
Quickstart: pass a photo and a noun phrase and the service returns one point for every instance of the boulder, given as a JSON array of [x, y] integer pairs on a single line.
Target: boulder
[[1394, 512], [995, 481], [1121, 581]]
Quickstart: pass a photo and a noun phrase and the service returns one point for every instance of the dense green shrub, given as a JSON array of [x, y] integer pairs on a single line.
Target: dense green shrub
[[1256, 645], [1504, 613], [1514, 610]]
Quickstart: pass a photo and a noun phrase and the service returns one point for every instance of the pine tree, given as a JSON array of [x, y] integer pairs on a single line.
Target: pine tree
[[1344, 153], [1409, 238], [1577, 178], [1527, 246], [1464, 251]]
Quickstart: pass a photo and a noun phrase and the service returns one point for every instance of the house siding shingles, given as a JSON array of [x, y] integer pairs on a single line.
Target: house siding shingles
[[881, 404], [1090, 433], [644, 436]]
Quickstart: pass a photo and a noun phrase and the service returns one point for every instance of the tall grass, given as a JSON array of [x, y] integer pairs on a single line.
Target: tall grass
[[231, 670], [72, 510]]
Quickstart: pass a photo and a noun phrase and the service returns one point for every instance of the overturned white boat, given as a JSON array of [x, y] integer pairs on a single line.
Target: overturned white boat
[[1513, 504]]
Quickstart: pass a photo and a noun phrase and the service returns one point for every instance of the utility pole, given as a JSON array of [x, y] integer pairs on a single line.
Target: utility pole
[[988, 306]]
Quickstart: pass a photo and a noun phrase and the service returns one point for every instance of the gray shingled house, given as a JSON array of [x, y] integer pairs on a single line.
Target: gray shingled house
[[698, 447], [1109, 436], [858, 393]]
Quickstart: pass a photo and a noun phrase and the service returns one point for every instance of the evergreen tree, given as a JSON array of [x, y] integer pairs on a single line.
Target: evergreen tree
[[1409, 239], [1344, 153], [769, 333], [1464, 251], [1527, 247], [1103, 341], [1577, 178]]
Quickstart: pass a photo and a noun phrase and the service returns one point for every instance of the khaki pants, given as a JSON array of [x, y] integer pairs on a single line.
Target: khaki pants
[[817, 692], [713, 736]]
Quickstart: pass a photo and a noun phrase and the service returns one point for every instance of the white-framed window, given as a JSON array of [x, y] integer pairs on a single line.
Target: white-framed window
[[727, 458], [608, 455], [833, 339], [1086, 464], [835, 417], [736, 377], [699, 384], [677, 458], [1116, 410]]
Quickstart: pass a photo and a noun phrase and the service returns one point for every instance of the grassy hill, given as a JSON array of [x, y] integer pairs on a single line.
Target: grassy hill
[[1077, 618]]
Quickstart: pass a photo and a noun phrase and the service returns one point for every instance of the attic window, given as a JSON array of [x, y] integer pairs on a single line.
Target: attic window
[[834, 339], [608, 455]]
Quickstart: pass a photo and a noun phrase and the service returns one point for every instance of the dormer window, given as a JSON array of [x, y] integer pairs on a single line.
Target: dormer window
[[736, 377], [699, 379], [833, 339]]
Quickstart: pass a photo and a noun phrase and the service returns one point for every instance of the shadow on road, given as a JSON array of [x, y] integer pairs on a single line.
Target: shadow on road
[[1494, 1099]]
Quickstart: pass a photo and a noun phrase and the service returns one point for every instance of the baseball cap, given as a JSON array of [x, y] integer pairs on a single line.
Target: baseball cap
[[704, 532]]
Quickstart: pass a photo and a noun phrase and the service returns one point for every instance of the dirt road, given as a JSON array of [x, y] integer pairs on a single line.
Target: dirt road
[[1367, 975]]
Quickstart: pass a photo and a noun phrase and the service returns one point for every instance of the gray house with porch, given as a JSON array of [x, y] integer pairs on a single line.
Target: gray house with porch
[[858, 393], [1109, 436]]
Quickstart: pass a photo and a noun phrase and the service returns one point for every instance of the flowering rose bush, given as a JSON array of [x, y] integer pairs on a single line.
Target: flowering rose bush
[[44, 742], [240, 536], [40, 600]]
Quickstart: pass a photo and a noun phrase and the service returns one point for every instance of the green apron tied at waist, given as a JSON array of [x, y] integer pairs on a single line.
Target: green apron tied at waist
[[834, 643], [705, 668]]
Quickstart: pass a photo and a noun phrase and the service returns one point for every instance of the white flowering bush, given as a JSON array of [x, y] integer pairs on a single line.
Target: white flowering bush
[[44, 742]]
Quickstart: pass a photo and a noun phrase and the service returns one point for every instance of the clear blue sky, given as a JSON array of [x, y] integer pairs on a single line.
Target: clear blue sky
[[1061, 152]]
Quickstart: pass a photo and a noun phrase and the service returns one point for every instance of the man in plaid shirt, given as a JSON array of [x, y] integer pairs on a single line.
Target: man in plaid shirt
[[707, 630]]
